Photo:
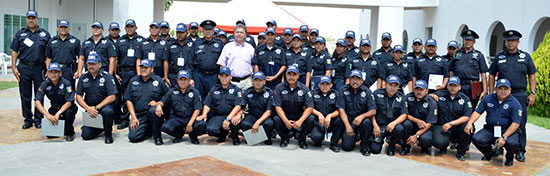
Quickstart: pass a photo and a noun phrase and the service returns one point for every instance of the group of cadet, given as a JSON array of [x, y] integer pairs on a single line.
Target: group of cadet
[[296, 89]]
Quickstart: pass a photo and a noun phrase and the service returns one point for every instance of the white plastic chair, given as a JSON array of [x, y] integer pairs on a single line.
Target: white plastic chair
[[5, 61]]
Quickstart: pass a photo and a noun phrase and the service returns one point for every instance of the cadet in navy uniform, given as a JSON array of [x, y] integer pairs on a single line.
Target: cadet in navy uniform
[[469, 64], [114, 32], [180, 56], [155, 49], [422, 115], [207, 51], [96, 94], [259, 102], [313, 34], [186, 105], [431, 63], [61, 95], [503, 118], [222, 35], [455, 109], [399, 68], [193, 31], [293, 104], [142, 97], [225, 100], [352, 51], [63, 49], [279, 41], [270, 59], [248, 39], [304, 33], [261, 38], [339, 64], [384, 54], [104, 47], [287, 38], [452, 47], [29, 46], [324, 100], [299, 58], [356, 107], [412, 57], [165, 33], [391, 108], [367, 64], [320, 63], [514, 64]]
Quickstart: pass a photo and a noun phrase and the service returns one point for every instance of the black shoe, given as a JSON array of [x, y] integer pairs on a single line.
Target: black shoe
[[69, 138], [220, 139], [236, 142], [460, 157], [177, 140], [454, 146], [303, 144], [390, 152], [509, 162], [486, 158], [27, 125], [318, 144], [268, 142], [158, 141], [499, 151], [108, 140], [425, 150], [123, 124], [38, 125], [284, 143], [520, 156], [195, 141], [405, 150], [334, 148], [365, 152], [443, 151]]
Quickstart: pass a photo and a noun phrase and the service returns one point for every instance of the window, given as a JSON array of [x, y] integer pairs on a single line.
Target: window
[[13, 23]]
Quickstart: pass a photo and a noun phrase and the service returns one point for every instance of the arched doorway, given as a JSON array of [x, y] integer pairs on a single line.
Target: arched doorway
[[541, 27], [495, 41], [461, 29], [405, 41]]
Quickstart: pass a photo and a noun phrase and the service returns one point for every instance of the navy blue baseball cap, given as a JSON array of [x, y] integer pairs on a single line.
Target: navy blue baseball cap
[[297, 36], [181, 27], [356, 73], [431, 42], [314, 30], [350, 34], [193, 25], [365, 42], [146, 63], [222, 33], [225, 70], [503, 82], [154, 23], [288, 31], [454, 80], [417, 40], [392, 79], [164, 24], [93, 58], [114, 25], [304, 28], [241, 21], [421, 84], [184, 74], [452, 43], [98, 24], [259, 75], [63, 22], [397, 48], [325, 79], [272, 22], [511, 35], [32, 13], [386, 35], [293, 68], [261, 34], [270, 30], [54, 66], [341, 41], [216, 30], [320, 39], [130, 22]]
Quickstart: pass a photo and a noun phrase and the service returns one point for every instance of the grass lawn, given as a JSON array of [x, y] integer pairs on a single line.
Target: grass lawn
[[8, 84], [539, 121]]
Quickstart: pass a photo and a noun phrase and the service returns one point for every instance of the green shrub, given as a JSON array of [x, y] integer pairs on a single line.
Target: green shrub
[[541, 58]]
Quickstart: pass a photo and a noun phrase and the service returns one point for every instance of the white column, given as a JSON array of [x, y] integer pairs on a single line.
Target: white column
[[142, 11], [387, 19]]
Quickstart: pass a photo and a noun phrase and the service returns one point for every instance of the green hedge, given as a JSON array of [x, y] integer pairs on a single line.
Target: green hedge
[[541, 58]]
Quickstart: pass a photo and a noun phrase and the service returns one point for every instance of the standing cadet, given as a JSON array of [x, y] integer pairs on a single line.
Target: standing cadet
[[324, 100], [431, 63], [422, 115], [207, 51], [384, 54], [340, 62], [469, 64], [155, 49], [299, 58], [455, 109], [287, 38], [313, 34], [259, 102], [320, 63], [222, 35], [114, 32], [165, 33], [63, 49], [356, 107], [369, 67], [352, 51], [304, 33], [503, 118], [293, 104], [96, 94], [194, 31], [185, 103], [270, 60], [416, 54], [261, 38], [142, 97], [278, 39], [514, 64], [398, 68], [391, 108], [225, 100], [61, 95], [29, 46], [180, 56], [103, 47], [452, 46], [248, 39]]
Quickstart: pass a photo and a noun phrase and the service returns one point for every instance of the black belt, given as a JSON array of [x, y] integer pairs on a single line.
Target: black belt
[[64, 65], [467, 82], [518, 91], [234, 79], [126, 69], [31, 63], [209, 72]]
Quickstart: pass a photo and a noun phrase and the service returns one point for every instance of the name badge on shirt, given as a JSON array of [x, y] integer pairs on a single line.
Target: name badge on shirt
[[271, 63], [497, 131], [151, 56], [364, 75], [181, 61], [28, 42], [131, 52], [93, 52]]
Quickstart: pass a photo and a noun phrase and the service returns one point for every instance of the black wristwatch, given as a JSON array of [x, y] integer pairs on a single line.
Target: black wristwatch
[[533, 92], [505, 138]]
